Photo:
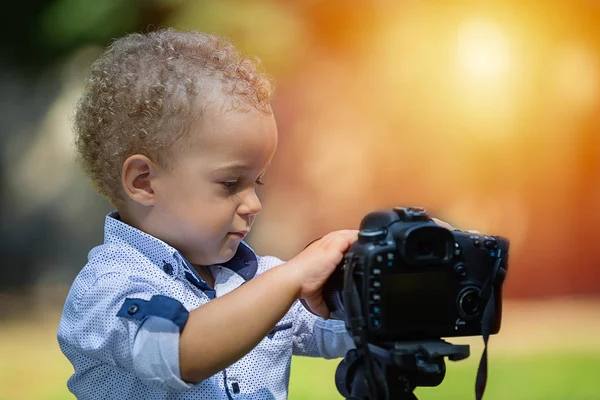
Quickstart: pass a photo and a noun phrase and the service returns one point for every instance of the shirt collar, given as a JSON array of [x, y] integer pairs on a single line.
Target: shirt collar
[[244, 262]]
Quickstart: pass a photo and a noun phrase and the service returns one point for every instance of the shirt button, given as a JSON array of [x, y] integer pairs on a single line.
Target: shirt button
[[132, 309], [168, 268]]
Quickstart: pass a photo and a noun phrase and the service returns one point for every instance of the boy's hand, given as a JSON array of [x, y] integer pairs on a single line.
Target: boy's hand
[[450, 227], [443, 224], [317, 262]]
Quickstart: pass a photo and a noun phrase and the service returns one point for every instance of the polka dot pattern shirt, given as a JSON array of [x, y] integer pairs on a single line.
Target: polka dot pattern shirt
[[123, 314]]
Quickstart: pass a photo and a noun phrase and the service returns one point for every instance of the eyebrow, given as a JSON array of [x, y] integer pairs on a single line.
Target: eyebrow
[[237, 167], [232, 166]]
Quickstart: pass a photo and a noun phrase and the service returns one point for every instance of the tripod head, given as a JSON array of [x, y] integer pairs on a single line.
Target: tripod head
[[401, 367]]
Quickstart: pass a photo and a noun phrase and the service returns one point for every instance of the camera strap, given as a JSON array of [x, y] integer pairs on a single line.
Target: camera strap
[[488, 297], [481, 379]]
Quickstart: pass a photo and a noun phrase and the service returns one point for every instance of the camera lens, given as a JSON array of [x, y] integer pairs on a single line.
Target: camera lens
[[468, 302]]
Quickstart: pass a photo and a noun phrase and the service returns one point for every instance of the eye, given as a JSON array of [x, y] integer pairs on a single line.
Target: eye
[[230, 184], [259, 182]]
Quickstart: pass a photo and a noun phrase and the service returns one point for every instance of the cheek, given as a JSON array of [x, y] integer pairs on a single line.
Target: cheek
[[210, 215], [187, 196]]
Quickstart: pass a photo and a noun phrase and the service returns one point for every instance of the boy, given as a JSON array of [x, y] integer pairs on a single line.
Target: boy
[[177, 131]]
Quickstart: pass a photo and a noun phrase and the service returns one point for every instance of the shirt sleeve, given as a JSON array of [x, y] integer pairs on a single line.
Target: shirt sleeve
[[116, 321], [156, 354], [316, 337]]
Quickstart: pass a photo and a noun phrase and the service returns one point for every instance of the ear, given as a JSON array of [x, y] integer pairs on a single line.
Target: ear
[[136, 178]]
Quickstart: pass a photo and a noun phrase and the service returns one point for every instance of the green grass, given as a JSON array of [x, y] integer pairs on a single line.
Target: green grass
[[33, 368], [565, 376]]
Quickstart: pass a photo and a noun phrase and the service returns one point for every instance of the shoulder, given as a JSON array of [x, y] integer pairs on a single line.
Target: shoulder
[[115, 260], [112, 269]]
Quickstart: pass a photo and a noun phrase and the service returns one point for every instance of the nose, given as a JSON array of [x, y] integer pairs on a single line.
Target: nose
[[250, 204]]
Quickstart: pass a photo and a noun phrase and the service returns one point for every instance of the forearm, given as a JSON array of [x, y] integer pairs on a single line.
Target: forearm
[[225, 329]]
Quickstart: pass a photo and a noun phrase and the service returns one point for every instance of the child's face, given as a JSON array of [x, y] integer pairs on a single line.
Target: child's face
[[205, 205]]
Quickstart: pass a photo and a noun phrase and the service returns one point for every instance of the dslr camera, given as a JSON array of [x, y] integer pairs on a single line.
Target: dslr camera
[[414, 280]]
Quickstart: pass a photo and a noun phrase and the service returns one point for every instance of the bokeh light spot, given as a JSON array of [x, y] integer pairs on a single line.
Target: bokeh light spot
[[483, 50]]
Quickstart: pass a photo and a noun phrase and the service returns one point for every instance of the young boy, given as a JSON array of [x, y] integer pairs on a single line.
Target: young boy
[[177, 131]]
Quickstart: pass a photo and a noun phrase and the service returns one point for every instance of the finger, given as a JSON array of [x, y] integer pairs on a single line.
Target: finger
[[474, 231], [351, 234], [344, 241], [443, 223], [349, 237], [340, 238], [348, 233]]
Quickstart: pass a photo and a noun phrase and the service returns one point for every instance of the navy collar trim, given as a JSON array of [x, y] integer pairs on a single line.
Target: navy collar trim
[[244, 262]]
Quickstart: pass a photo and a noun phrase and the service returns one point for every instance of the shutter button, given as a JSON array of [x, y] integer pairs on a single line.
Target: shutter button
[[168, 268], [132, 309]]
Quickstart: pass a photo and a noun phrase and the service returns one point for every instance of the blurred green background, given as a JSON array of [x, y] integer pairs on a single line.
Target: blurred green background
[[485, 113]]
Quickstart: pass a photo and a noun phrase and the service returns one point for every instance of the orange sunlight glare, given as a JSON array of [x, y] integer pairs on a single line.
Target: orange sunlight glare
[[483, 51]]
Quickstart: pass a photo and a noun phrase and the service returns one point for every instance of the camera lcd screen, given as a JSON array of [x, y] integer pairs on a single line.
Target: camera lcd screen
[[415, 301]]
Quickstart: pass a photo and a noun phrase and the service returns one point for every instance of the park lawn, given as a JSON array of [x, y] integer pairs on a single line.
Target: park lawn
[[543, 376], [33, 368]]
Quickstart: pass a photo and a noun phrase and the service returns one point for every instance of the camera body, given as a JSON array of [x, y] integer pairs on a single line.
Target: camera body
[[417, 280]]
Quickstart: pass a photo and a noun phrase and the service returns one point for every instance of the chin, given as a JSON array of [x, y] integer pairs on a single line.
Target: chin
[[228, 253], [219, 253], [225, 254]]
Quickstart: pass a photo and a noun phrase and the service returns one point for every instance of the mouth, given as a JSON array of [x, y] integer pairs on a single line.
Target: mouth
[[241, 234]]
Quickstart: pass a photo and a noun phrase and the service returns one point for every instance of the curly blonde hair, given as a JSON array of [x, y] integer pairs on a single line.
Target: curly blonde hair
[[146, 90]]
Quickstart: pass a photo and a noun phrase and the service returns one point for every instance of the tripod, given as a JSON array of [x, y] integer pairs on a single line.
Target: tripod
[[405, 366]]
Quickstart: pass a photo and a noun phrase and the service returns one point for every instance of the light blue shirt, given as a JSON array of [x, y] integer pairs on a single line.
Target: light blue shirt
[[122, 317]]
